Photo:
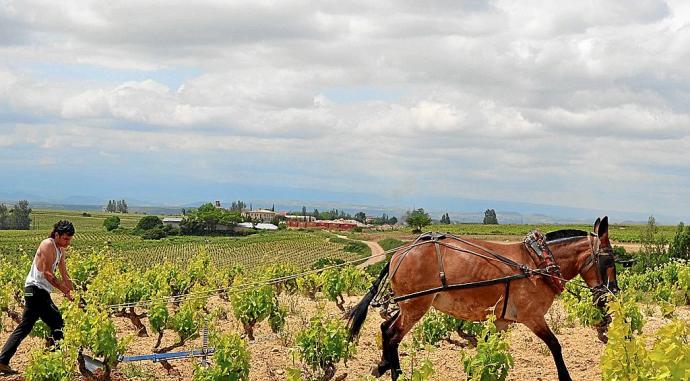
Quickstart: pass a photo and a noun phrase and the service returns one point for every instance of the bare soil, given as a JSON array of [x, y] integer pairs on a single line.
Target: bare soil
[[271, 354]]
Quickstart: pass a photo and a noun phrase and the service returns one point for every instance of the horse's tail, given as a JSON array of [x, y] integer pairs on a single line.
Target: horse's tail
[[356, 317]]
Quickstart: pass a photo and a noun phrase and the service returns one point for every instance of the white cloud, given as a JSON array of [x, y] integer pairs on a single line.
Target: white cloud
[[498, 91]]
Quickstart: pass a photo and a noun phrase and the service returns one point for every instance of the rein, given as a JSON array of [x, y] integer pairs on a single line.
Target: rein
[[534, 241]]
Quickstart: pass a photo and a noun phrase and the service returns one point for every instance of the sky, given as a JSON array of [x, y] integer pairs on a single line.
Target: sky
[[576, 104]]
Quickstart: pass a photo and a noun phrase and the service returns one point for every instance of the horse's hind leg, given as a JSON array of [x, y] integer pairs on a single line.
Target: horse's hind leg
[[543, 331], [384, 365], [399, 326]]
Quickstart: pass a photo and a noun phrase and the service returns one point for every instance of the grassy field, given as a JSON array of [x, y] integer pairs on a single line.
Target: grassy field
[[298, 248], [618, 233], [44, 219]]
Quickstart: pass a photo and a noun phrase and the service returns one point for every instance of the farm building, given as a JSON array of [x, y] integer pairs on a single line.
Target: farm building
[[295, 217], [339, 224], [259, 214], [172, 221], [249, 225]]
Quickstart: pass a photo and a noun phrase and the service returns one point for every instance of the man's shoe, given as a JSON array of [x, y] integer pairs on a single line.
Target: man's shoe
[[5, 369]]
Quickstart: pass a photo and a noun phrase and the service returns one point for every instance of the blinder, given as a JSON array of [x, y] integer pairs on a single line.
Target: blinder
[[604, 260]]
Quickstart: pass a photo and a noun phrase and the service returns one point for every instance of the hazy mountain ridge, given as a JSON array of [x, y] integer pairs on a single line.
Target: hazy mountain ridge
[[464, 210]]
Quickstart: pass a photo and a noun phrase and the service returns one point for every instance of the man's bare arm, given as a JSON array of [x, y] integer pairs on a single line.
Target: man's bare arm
[[44, 264], [63, 274]]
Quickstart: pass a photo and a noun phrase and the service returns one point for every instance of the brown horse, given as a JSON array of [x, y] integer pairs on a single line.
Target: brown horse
[[517, 284]]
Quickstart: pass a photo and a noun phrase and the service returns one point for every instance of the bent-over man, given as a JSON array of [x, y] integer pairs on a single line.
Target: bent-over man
[[37, 288]]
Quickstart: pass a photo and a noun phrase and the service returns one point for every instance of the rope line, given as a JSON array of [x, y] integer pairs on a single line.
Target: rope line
[[256, 284]]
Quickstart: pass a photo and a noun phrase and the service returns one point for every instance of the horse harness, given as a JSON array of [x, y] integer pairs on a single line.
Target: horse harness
[[535, 242], [603, 258]]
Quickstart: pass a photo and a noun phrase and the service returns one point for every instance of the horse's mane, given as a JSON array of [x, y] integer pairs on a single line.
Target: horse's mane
[[564, 234]]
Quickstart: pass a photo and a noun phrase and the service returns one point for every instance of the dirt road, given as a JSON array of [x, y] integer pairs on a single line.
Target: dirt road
[[376, 254]]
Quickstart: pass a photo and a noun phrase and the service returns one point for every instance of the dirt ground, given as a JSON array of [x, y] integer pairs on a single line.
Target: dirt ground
[[271, 354]]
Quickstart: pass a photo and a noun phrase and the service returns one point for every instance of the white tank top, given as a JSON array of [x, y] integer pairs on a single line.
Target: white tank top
[[36, 278]]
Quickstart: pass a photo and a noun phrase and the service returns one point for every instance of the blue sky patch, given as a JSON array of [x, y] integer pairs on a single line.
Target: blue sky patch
[[362, 94], [61, 72]]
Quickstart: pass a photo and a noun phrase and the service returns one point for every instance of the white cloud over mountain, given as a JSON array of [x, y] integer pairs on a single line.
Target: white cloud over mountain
[[568, 103]]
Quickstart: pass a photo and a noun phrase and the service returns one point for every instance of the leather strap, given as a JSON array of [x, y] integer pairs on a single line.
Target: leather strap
[[505, 300], [439, 258]]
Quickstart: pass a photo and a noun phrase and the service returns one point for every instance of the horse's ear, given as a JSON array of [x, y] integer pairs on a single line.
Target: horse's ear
[[603, 227], [596, 224]]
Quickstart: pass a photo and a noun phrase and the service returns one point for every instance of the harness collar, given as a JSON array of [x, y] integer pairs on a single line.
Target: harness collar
[[535, 242]]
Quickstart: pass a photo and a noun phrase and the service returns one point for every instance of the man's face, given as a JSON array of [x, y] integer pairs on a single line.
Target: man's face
[[63, 240]]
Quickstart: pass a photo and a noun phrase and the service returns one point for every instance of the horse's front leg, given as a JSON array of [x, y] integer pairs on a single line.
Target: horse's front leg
[[542, 330]]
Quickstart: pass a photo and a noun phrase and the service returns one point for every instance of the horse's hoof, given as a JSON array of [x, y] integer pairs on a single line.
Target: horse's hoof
[[375, 371]]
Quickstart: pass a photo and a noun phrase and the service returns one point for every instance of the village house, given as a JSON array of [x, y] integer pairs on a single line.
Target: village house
[[173, 222], [263, 215]]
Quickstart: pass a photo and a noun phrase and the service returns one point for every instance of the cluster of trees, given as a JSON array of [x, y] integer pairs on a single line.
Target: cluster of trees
[[490, 217], [332, 214], [385, 220], [656, 250], [119, 206], [207, 219], [238, 206], [17, 218], [445, 219], [335, 214], [417, 219]]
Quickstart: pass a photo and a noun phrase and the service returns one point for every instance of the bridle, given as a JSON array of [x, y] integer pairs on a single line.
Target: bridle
[[603, 258]]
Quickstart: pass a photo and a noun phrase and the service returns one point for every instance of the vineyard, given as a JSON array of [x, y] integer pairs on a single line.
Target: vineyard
[[300, 249], [271, 328], [273, 304]]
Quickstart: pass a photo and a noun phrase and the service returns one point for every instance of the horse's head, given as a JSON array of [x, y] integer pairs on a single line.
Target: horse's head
[[598, 267]]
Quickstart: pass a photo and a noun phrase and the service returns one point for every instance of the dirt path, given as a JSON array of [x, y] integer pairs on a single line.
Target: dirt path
[[376, 254]]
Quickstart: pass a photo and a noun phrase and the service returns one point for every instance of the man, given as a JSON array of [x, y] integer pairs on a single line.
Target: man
[[37, 288]]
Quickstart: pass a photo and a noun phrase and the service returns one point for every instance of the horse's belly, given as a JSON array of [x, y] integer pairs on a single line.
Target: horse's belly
[[470, 304]]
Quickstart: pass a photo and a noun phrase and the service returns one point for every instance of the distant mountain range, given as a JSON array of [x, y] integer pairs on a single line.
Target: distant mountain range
[[459, 209]]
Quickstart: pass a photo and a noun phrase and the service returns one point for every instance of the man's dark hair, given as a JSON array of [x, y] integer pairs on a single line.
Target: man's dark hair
[[62, 227]]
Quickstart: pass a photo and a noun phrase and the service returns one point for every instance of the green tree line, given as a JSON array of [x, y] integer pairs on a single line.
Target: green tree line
[[116, 206], [16, 218]]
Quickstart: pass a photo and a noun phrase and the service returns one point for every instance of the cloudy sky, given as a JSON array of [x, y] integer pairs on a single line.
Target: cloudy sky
[[579, 104]]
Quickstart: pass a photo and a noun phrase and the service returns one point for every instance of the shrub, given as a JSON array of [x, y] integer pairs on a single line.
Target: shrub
[[231, 360], [680, 245], [357, 247], [276, 319], [493, 361], [390, 243], [323, 344], [149, 222], [437, 326], [309, 285], [625, 356], [154, 234], [111, 223], [434, 327], [92, 329], [325, 262], [253, 305], [653, 252], [581, 307], [49, 366], [338, 281]]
